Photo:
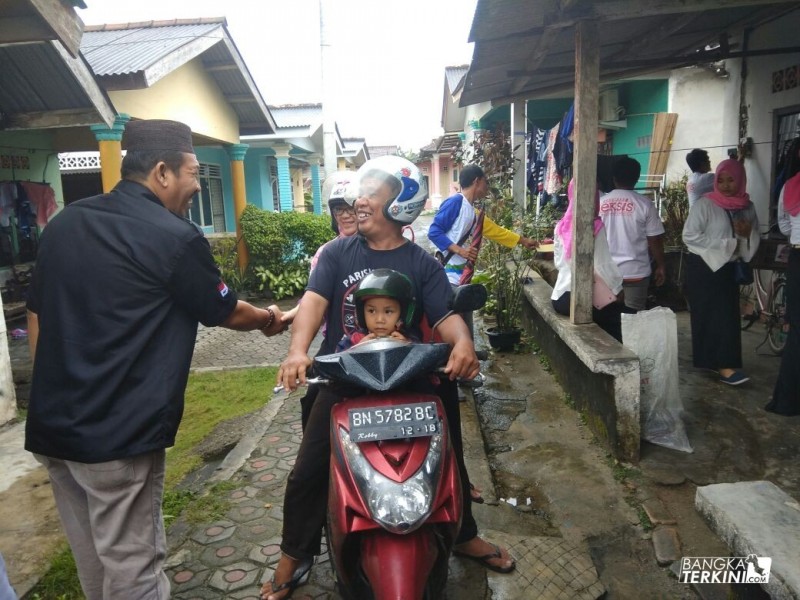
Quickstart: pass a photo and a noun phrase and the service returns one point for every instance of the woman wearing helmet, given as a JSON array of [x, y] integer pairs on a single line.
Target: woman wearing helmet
[[339, 189], [384, 304]]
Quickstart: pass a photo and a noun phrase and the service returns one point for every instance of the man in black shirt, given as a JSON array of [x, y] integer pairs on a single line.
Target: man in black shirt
[[121, 282]]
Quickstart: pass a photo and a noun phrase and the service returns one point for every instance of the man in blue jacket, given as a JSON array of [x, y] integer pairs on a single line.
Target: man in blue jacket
[[457, 220]]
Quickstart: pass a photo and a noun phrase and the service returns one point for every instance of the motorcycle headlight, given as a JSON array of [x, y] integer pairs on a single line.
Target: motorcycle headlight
[[397, 507]]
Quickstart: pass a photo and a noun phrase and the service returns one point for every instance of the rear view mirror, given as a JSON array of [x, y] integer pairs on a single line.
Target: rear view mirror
[[468, 298]]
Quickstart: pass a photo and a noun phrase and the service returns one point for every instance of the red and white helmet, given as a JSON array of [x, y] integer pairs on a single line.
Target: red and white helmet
[[409, 189]]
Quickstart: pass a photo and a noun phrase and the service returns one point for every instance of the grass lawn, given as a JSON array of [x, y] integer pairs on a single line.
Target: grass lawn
[[211, 398]]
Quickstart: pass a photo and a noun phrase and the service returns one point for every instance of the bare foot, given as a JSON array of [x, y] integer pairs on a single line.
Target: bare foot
[[283, 574], [475, 494], [489, 555], [726, 372]]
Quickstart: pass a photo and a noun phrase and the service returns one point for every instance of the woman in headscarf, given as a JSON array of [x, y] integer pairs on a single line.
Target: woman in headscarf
[[605, 312], [786, 396], [722, 227]]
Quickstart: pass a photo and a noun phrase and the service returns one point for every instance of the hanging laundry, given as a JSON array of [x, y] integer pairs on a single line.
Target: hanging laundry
[[8, 198], [42, 199]]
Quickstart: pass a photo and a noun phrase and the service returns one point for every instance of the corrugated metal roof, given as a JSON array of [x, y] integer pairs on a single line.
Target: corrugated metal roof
[[136, 55], [297, 115], [126, 51], [526, 48], [42, 86], [454, 75]]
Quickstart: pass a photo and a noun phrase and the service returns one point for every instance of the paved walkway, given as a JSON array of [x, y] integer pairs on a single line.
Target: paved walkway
[[733, 440]]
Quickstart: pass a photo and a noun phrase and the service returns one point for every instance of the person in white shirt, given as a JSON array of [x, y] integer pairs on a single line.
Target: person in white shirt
[[607, 314], [634, 232], [786, 396], [701, 181], [721, 227]]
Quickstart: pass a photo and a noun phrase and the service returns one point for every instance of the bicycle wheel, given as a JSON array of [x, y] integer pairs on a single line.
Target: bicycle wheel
[[748, 308], [778, 323]]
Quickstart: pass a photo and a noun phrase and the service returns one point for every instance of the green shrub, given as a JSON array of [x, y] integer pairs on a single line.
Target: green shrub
[[263, 233]]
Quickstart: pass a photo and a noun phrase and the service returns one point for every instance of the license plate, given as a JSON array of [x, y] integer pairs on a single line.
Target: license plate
[[393, 422]]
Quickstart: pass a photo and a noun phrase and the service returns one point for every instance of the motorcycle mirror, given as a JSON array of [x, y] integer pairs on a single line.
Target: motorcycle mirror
[[468, 298]]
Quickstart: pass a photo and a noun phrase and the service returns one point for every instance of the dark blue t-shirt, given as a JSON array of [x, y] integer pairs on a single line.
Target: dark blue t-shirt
[[345, 261]]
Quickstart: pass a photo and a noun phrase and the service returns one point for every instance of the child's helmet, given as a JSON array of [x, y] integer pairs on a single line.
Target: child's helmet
[[386, 282], [409, 189], [339, 188]]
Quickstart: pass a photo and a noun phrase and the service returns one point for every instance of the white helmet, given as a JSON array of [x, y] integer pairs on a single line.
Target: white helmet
[[340, 187], [408, 186]]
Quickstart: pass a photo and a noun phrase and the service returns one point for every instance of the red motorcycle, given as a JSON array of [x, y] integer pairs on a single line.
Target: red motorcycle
[[395, 501]]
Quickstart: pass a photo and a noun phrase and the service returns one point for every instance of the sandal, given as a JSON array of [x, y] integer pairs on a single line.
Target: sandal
[[484, 560], [299, 577], [475, 495]]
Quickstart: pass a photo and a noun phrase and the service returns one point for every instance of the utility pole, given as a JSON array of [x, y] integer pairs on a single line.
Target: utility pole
[[328, 120]]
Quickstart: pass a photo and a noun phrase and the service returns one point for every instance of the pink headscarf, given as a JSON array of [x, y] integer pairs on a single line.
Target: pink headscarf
[[564, 226], [791, 195], [741, 199]]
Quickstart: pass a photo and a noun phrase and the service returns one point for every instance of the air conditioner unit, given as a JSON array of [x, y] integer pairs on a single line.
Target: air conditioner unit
[[609, 107]]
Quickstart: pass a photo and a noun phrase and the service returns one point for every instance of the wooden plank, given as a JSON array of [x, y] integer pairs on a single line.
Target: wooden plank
[[14, 30], [53, 119], [587, 75], [65, 23], [661, 144]]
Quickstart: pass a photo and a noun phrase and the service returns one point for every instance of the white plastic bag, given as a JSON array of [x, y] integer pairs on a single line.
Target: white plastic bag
[[653, 336]]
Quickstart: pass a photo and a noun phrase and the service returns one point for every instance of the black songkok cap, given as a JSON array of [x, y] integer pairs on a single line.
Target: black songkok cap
[[158, 135]]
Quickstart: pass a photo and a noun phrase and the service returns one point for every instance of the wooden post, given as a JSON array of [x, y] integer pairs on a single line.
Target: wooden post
[[587, 80]]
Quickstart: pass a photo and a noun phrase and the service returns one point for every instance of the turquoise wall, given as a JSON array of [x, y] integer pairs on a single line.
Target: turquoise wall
[[37, 147], [218, 156], [546, 114], [543, 114], [256, 177], [641, 99]]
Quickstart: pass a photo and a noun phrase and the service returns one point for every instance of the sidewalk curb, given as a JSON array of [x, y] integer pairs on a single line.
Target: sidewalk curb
[[237, 457]]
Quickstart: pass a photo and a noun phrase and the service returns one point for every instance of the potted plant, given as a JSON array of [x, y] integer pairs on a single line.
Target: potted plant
[[503, 271], [674, 211]]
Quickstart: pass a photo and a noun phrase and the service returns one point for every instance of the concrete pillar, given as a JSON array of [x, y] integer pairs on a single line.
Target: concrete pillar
[[8, 394], [284, 177], [518, 129], [316, 186], [109, 141], [237, 152], [436, 187]]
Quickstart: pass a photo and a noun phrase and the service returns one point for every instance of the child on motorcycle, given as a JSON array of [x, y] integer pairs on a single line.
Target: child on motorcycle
[[384, 304]]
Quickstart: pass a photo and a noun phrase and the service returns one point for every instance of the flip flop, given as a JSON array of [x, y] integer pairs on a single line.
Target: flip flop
[[299, 577], [484, 560]]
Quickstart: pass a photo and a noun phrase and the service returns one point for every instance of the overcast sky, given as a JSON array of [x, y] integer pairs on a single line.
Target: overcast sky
[[389, 55]]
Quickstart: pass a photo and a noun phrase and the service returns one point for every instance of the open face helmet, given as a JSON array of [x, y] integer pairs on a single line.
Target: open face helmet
[[339, 188], [409, 190], [389, 283]]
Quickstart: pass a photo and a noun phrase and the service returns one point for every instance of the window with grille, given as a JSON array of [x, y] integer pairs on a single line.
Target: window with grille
[[208, 206], [273, 179]]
